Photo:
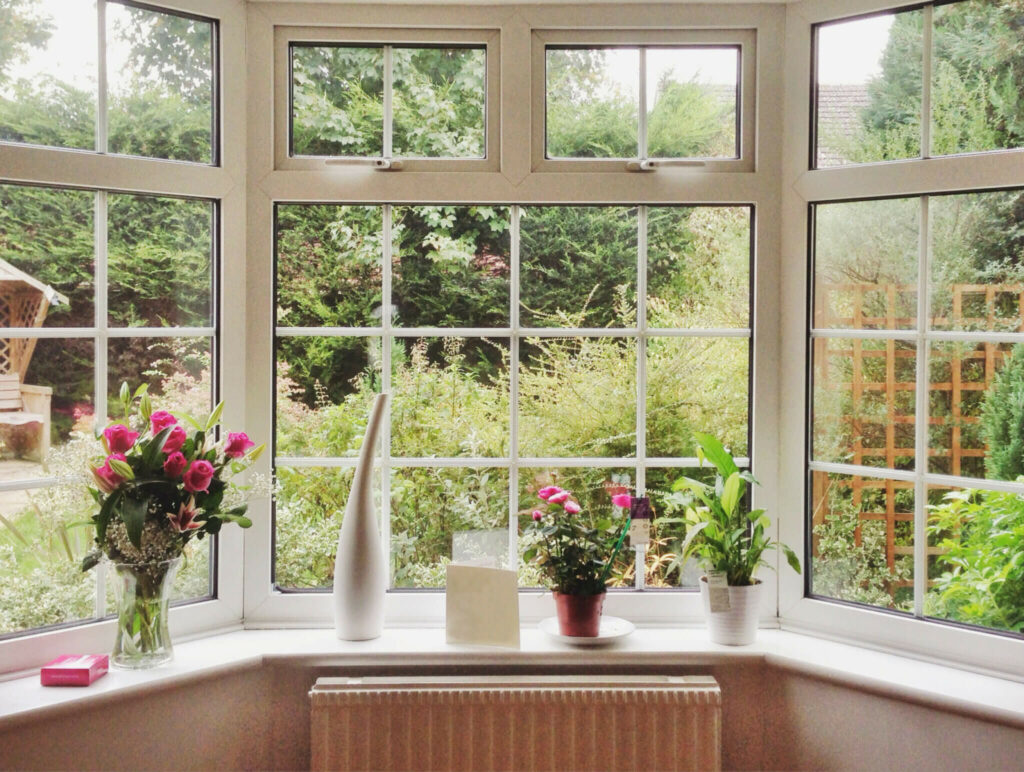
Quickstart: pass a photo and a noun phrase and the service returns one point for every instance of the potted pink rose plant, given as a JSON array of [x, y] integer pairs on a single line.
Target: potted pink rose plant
[[159, 484], [575, 554]]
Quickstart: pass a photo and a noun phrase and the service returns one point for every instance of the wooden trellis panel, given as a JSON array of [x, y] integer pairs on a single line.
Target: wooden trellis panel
[[972, 367]]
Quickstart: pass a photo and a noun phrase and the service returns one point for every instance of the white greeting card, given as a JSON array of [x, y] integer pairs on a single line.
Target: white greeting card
[[482, 606]]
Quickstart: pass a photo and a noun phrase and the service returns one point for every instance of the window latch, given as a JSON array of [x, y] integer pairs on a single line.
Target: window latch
[[643, 165], [388, 164]]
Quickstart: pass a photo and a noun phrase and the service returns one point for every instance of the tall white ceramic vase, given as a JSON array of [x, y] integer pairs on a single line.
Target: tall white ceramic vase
[[360, 571]]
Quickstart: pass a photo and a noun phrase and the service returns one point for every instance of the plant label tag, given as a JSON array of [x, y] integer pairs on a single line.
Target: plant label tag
[[718, 591], [640, 522], [639, 533]]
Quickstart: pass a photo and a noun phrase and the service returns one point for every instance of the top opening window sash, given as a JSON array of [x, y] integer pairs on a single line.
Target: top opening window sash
[[371, 37], [743, 39]]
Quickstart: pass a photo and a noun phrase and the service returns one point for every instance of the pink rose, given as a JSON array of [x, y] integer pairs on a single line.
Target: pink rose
[[185, 519], [622, 500], [120, 438], [559, 498], [160, 420], [197, 478], [572, 507], [237, 444], [106, 478], [174, 465], [537, 514], [174, 440], [548, 492]]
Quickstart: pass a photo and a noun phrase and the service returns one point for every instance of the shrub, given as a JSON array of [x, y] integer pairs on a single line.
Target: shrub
[[1002, 420]]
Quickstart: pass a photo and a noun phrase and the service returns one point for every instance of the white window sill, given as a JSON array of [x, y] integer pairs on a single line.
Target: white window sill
[[938, 686]]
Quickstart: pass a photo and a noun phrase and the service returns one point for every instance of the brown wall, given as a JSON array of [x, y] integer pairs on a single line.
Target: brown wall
[[259, 719]]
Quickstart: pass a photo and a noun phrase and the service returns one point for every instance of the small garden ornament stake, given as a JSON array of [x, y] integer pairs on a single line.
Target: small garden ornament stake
[[728, 541], [575, 554], [159, 485]]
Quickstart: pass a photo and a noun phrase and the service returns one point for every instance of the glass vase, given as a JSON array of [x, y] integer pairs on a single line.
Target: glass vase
[[143, 593]]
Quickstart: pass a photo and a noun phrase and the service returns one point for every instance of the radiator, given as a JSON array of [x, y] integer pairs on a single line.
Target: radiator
[[516, 723]]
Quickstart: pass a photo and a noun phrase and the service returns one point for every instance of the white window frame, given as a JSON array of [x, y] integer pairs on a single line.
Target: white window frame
[[223, 183], [743, 39], [803, 185], [512, 182], [385, 37]]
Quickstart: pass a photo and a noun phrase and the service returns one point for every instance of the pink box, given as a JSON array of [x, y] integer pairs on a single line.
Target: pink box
[[74, 669]]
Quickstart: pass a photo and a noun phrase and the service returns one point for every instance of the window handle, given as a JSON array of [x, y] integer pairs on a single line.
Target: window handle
[[642, 165], [388, 164]]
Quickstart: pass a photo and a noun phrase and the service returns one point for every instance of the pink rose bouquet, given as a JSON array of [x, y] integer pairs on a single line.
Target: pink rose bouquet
[[162, 480]]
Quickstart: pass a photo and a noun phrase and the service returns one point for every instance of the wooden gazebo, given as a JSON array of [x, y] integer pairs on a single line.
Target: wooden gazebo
[[24, 302]]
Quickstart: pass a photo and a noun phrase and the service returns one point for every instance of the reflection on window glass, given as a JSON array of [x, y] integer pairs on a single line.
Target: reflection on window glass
[[577, 397], [453, 266], [691, 102], [160, 81], [698, 267], [578, 266], [159, 261], [325, 388], [869, 86], [48, 73], [450, 397], [438, 102], [863, 538], [592, 102], [46, 239], [437, 513], [865, 264], [976, 75], [337, 100]]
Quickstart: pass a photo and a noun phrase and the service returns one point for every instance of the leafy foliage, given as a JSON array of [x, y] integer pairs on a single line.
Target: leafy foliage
[[1003, 420]]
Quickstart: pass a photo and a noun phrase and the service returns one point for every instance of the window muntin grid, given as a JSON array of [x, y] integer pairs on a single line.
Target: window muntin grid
[[382, 337], [894, 483]]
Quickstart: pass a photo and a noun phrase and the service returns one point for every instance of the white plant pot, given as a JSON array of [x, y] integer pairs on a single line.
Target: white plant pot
[[738, 625]]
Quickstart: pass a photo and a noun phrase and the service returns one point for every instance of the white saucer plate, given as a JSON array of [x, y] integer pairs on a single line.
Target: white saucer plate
[[612, 629]]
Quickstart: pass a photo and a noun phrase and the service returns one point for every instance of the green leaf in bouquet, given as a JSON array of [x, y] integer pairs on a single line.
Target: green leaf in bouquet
[[134, 506], [241, 520], [256, 452], [214, 416], [152, 454], [91, 560], [190, 421], [103, 517]]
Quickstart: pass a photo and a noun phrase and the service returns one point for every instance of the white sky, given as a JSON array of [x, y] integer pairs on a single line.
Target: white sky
[[851, 53]]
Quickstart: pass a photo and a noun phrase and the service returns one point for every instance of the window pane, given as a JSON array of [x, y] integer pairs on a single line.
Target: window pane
[[691, 102], [337, 100], [48, 74], [309, 504], [974, 548], [977, 280], [869, 87], [578, 266], [51, 416], [46, 236], [450, 397], [592, 97], [325, 389], [438, 103], [329, 263], [864, 402], [976, 76], [698, 267], [436, 513], [865, 264], [863, 537], [577, 397], [696, 384], [160, 82], [176, 369], [666, 537], [453, 266], [592, 488], [159, 261]]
